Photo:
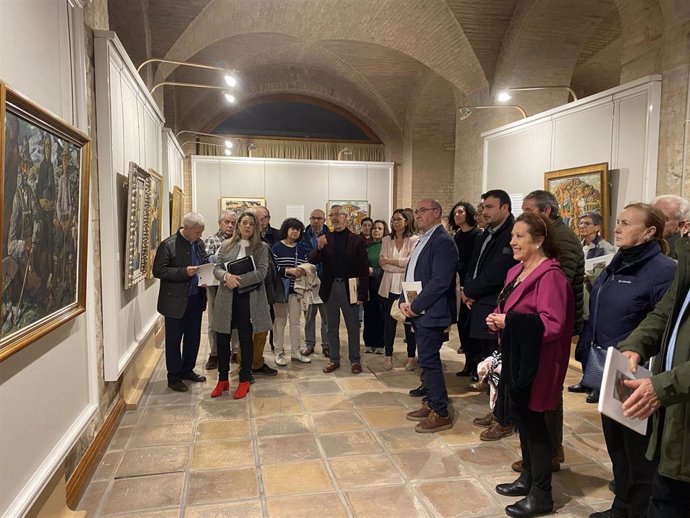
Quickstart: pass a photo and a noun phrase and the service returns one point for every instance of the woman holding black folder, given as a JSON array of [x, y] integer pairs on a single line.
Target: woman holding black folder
[[241, 301]]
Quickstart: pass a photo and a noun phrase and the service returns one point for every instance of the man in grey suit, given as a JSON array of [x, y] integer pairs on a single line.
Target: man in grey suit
[[181, 300]]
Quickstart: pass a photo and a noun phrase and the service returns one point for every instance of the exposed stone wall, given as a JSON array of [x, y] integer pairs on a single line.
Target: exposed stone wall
[[95, 17]]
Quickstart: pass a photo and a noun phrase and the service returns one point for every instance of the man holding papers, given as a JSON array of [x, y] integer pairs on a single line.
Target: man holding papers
[[433, 263], [181, 300], [665, 334]]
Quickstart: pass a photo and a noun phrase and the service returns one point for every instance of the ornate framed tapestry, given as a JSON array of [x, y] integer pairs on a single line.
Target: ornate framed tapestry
[[176, 209], [45, 195], [154, 211], [356, 211], [137, 228], [579, 190], [239, 205]]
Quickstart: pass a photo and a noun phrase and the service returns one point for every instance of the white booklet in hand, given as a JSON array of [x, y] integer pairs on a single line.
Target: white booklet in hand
[[411, 290], [206, 277], [614, 392]]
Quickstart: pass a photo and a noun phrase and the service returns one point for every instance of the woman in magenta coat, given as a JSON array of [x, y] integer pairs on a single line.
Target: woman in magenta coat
[[535, 318]]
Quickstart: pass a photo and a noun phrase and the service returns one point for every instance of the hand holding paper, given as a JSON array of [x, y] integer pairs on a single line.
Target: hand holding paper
[[643, 402]]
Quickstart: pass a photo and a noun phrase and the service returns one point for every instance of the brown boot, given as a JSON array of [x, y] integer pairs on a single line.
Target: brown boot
[[555, 466], [485, 421], [419, 415], [496, 432], [434, 423]]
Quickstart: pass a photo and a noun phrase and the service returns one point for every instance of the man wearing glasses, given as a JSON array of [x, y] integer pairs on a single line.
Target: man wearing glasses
[[433, 262], [343, 257], [316, 228]]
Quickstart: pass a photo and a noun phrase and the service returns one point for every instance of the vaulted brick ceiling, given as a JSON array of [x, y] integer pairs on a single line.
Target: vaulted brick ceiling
[[371, 58]]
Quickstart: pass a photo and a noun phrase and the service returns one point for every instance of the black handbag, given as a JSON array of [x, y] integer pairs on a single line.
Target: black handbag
[[594, 371], [241, 266], [596, 356]]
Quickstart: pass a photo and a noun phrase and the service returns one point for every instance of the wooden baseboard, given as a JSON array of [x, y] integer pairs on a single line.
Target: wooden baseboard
[[76, 485], [136, 376], [51, 503]]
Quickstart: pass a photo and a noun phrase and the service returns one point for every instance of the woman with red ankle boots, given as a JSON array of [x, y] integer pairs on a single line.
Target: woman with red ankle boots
[[241, 301]]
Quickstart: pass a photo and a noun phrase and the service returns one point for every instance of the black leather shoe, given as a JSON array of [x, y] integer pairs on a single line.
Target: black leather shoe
[[593, 397], [520, 487], [178, 385], [265, 370], [420, 391], [474, 378], [604, 514], [308, 350], [252, 379], [212, 363], [535, 504], [193, 376], [326, 352], [578, 389]]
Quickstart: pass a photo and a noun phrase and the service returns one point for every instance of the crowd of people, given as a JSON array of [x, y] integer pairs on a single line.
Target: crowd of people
[[518, 291]]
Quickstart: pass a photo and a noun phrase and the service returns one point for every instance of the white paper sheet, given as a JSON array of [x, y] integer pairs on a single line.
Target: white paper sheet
[[206, 276]]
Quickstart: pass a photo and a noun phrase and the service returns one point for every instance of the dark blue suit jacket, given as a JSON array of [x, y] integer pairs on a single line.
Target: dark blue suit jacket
[[436, 268]]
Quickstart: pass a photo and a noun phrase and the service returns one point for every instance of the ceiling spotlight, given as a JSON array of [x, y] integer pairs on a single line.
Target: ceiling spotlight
[[228, 152], [228, 144], [229, 97], [503, 97], [230, 80]]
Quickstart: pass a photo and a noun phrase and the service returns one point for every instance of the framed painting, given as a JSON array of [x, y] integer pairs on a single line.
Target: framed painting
[[176, 209], [45, 202], [579, 190], [356, 211], [137, 233], [154, 211], [239, 205]]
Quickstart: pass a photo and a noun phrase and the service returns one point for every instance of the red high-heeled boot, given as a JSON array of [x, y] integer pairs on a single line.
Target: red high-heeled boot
[[242, 390], [221, 386]]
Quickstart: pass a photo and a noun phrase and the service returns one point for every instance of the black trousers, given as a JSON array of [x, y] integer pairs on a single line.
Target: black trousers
[[536, 448], [187, 331], [391, 325], [632, 472], [430, 340], [670, 498], [241, 320], [373, 317], [554, 425]]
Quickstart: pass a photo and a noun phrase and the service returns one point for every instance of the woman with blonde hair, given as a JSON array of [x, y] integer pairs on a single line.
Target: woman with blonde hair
[[241, 301]]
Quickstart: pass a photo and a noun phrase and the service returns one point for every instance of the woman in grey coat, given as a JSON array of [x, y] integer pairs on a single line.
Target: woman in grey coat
[[248, 312]]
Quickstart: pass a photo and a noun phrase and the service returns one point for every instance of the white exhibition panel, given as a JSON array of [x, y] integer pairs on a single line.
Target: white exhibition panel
[[619, 126], [129, 129], [283, 182], [173, 171], [48, 390]]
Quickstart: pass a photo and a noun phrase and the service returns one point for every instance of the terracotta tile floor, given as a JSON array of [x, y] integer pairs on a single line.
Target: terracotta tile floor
[[308, 444]]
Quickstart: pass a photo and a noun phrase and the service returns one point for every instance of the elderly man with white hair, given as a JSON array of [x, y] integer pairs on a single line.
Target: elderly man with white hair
[[181, 300], [677, 212]]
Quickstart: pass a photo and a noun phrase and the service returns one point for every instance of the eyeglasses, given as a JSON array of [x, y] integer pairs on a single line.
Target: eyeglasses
[[585, 223], [336, 214], [422, 210]]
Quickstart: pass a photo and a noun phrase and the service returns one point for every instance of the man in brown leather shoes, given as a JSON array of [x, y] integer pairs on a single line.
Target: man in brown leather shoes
[[344, 259], [434, 264]]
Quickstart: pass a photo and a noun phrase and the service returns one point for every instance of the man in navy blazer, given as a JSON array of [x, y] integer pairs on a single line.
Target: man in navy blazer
[[434, 262]]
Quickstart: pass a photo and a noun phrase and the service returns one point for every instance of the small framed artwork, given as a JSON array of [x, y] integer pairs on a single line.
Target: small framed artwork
[[239, 205], [580, 190], [137, 234], [44, 168], [356, 211], [176, 209], [154, 210]]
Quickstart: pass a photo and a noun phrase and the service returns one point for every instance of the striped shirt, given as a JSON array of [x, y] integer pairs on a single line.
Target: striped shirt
[[288, 257]]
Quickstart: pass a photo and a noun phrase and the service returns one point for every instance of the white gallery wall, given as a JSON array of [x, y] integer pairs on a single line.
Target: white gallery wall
[[288, 184], [48, 390], [619, 126], [129, 129]]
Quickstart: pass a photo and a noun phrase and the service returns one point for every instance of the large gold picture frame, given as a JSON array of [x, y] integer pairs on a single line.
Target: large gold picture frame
[[44, 191], [137, 228], [154, 210], [356, 211], [579, 190], [176, 209]]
